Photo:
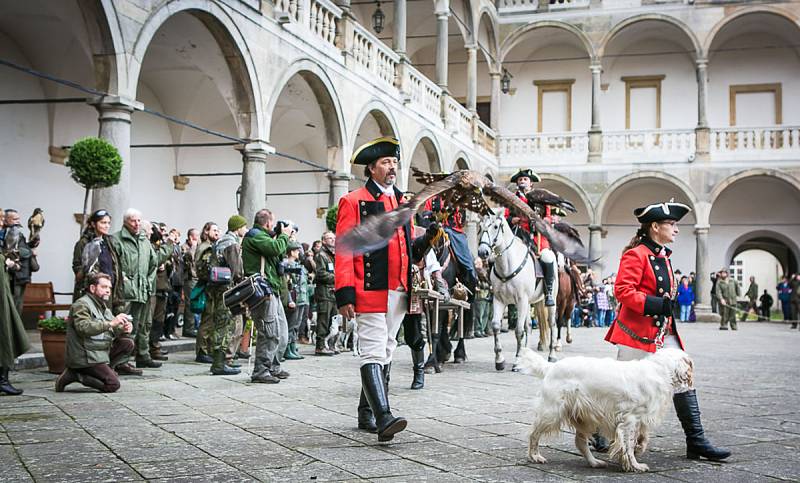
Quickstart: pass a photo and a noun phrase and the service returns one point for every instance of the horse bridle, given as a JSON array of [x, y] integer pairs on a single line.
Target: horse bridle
[[497, 254]]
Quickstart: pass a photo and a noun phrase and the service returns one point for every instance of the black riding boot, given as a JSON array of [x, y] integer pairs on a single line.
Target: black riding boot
[[374, 386], [418, 359], [549, 279], [5, 384], [366, 420], [696, 443]]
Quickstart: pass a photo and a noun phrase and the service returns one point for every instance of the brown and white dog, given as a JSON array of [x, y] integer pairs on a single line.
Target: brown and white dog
[[622, 400]]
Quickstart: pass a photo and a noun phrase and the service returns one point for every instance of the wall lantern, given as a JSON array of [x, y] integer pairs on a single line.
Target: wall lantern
[[377, 19], [505, 82]]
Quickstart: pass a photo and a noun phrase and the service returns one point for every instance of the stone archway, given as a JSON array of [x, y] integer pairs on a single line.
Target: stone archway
[[424, 156]]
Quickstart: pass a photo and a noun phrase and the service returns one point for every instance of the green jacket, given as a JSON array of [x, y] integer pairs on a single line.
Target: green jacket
[[163, 253], [323, 275], [257, 244], [137, 263], [89, 332], [752, 292], [728, 290]]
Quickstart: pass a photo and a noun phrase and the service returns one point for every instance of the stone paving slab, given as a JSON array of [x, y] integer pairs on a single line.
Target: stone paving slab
[[470, 423]]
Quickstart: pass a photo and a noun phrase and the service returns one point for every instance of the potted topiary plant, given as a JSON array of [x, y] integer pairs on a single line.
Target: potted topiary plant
[[53, 332], [331, 216], [94, 163]]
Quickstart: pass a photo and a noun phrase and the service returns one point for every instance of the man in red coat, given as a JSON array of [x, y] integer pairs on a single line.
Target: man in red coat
[[373, 287]]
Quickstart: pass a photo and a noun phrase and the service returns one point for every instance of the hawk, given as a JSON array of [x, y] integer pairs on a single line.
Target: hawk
[[466, 189]]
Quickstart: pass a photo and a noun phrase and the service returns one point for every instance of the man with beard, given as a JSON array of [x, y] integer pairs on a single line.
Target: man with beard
[[94, 344], [324, 262], [373, 286]]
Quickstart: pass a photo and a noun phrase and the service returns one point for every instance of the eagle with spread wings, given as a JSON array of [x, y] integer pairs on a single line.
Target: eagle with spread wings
[[465, 189]]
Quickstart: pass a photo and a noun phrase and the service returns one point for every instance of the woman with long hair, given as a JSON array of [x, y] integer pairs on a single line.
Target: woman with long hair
[[646, 291], [93, 254], [13, 338]]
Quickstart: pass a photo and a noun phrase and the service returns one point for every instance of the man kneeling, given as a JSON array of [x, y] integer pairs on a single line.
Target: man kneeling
[[94, 344]]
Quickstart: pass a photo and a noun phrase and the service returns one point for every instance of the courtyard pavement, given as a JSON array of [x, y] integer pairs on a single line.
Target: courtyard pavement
[[469, 423]]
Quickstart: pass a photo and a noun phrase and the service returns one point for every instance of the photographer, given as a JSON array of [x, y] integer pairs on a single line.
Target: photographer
[[94, 344], [262, 253]]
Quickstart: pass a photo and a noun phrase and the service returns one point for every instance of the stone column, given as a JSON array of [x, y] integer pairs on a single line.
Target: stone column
[[702, 294], [595, 133], [340, 186], [471, 232], [115, 127], [254, 178], [472, 78], [399, 37], [595, 246], [702, 133], [495, 101], [441, 48]]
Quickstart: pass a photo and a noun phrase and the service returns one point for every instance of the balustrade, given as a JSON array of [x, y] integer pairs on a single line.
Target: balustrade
[[424, 93], [323, 20], [755, 142]]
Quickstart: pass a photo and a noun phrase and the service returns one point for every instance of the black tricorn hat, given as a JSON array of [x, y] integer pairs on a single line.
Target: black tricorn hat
[[376, 149], [661, 212], [528, 173]]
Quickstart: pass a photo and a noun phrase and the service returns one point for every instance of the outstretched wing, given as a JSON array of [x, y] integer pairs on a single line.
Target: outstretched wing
[[569, 230], [427, 178], [560, 242], [375, 231], [542, 196]]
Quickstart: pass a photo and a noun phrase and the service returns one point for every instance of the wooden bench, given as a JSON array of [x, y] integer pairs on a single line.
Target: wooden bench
[[39, 298]]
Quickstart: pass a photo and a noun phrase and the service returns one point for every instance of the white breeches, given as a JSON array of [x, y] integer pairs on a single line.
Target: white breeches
[[625, 353], [377, 332]]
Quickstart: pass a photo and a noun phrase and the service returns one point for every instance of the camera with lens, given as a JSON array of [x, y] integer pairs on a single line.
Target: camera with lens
[[280, 225]]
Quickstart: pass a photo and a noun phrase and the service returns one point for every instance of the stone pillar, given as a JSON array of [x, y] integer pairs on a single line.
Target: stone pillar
[[595, 133], [441, 48], [115, 127], [471, 232], [702, 278], [702, 133], [495, 101], [595, 246], [254, 178], [472, 78], [340, 186], [399, 37]]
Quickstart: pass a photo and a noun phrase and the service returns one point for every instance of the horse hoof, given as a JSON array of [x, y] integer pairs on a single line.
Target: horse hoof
[[438, 369], [551, 359], [569, 339], [540, 347], [515, 368], [459, 360], [500, 366]]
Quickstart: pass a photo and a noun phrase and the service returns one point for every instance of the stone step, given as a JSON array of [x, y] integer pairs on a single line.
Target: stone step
[[33, 360]]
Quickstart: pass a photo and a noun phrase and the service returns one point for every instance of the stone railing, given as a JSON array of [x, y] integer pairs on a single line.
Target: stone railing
[[565, 147], [652, 145], [371, 54], [458, 119], [568, 4], [770, 142], [485, 137], [290, 8], [423, 92], [517, 6], [323, 20]]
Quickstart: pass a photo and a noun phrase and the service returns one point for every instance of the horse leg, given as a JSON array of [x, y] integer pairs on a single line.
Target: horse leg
[[523, 314], [568, 321], [497, 317], [551, 319], [544, 331], [460, 354], [445, 348], [558, 335]]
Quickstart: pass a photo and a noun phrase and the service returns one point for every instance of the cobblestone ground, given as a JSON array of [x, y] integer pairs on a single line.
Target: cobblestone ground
[[469, 423]]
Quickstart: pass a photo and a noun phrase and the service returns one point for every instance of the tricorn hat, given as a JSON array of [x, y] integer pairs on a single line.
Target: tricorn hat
[[527, 172], [376, 149], [661, 212]]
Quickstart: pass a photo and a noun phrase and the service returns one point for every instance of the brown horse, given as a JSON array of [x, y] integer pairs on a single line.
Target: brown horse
[[570, 289]]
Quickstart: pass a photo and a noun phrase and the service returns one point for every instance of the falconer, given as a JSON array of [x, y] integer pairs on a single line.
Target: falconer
[[373, 287], [646, 288]]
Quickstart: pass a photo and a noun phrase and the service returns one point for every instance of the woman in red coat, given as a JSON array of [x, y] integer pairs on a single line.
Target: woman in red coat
[[646, 289]]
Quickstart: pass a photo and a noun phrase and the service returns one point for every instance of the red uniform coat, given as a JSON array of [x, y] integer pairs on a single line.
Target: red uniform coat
[[365, 280], [644, 278], [454, 221], [524, 223]]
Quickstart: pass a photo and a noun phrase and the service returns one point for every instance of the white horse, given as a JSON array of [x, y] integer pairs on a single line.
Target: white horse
[[513, 282]]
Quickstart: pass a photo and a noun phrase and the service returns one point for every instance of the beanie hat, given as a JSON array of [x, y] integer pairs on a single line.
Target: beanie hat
[[235, 222]]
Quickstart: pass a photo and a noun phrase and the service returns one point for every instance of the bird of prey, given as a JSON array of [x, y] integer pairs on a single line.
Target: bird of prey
[[569, 230], [35, 224], [464, 188], [541, 196]]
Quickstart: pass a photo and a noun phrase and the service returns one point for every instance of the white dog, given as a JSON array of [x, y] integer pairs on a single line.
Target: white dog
[[622, 400], [348, 332]]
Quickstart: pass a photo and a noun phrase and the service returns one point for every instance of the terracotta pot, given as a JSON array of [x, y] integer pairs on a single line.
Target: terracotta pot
[[54, 346]]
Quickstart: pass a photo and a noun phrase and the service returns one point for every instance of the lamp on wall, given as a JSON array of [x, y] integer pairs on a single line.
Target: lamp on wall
[[505, 82], [377, 19]]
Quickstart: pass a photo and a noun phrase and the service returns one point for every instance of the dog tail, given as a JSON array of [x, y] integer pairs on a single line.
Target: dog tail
[[533, 364]]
